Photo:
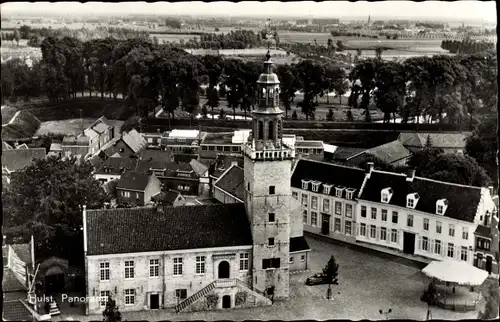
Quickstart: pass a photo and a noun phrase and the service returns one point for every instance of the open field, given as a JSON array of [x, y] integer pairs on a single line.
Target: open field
[[72, 126]]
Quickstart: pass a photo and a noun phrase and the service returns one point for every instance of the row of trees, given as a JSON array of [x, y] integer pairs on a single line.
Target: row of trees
[[466, 46], [446, 88], [342, 33]]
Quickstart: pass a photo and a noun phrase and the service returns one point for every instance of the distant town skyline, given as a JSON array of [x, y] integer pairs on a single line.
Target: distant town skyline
[[454, 11]]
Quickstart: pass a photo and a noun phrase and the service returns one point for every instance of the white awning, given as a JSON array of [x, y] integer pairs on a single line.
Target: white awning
[[460, 273], [329, 148]]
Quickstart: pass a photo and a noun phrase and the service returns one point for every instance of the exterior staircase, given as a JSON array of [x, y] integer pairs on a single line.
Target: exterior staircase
[[193, 298], [223, 283]]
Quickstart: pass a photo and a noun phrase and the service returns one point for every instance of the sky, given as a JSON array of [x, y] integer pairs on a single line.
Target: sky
[[467, 9]]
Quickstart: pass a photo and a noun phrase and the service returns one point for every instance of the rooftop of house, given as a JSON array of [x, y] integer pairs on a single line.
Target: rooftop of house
[[224, 162], [138, 230], [134, 140], [439, 140], [329, 174], [131, 180], [298, 244], [462, 200], [309, 144], [344, 152], [98, 127], [168, 197], [170, 169], [225, 138], [156, 155], [117, 165], [198, 167], [17, 159], [55, 147], [184, 158], [388, 153], [483, 231], [18, 124], [233, 182]]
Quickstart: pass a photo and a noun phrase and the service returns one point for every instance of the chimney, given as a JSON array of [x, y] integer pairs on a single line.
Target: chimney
[[410, 175], [369, 166]]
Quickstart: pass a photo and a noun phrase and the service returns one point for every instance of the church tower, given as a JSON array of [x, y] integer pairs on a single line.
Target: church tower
[[268, 167]]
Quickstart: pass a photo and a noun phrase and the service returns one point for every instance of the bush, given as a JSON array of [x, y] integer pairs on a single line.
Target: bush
[[330, 116], [240, 298], [222, 114], [204, 112], [492, 301], [294, 115], [212, 300]]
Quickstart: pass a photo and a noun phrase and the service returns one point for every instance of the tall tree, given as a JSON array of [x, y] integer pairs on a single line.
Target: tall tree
[[331, 272], [111, 313], [288, 86]]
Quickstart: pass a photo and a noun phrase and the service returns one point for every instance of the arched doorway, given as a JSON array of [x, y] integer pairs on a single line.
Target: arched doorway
[[226, 302], [223, 269]]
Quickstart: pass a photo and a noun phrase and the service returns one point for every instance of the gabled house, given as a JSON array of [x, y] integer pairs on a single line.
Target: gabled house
[[327, 195], [17, 159], [17, 275], [423, 217], [222, 163], [392, 153], [137, 189], [88, 143], [113, 168], [169, 198], [129, 144], [202, 171], [230, 187], [449, 142]]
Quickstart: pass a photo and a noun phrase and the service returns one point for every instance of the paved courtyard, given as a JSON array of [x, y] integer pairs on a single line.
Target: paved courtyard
[[367, 283]]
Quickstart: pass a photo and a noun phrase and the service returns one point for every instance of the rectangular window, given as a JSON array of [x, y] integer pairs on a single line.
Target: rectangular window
[[305, 184], [363, 211], [394, 217], [384, 215], [326, 205], [137, 195], [409, 221], [314, 202], [304, 216], [104, 297], [270, 263], [129, 296], [451, 231], [410, 202], [465, 233], [348, 211], [362, 229], [373, 231], [244, 262], [338, 207], [272, 190], [181, 293], [315, 187], [290, 261], [439, 209], [154, 267], [374, 213], [385, 197], [177, 266], [271, 217], [270, 241], [394, 235], [337, 225], [463, 253], [450, 249], [425, 243], [104, 271], [129, 269], [383, 233], [200, 264], [338, 193], [126, 194], [437, 246], [294, 194], [304, 199], [438, 227], [302, 258], [211, 148], [219, 148], [314, 219], [348, 228], [426, 224]]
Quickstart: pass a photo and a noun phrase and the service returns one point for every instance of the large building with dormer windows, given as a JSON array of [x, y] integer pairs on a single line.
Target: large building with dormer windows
[[231, 255], [399, 213]]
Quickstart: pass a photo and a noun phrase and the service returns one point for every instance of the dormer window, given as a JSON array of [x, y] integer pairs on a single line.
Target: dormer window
[[305, 184], [315, 186], [386, 195], [338, 191], [411, 200], [441, 206], [350, 193], [326, 189]]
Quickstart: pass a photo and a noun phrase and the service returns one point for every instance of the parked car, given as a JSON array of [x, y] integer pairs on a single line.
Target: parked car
[[318, 279]]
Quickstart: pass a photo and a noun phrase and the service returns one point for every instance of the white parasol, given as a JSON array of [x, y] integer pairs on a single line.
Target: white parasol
[[461, 273]]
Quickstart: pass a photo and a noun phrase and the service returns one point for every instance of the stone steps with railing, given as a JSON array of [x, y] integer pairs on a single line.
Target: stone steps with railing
[[196, 296]]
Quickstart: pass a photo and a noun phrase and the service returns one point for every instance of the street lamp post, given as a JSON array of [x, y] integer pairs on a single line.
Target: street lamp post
[[386, 313]]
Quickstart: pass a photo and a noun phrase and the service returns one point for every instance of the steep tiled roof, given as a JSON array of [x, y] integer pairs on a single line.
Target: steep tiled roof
[[16, 159], [10, 283], [131, 180], [327, 173], [198, 167], [156, 155], [16, 311], [298, 244], [343, 152], [223, 162], [462, 200], [438, 140], [168, 197], [130, 230], [185, 158], [114, 165], [483, 231], [170, 168], [219, 138], [134, 140], [388, 153], [232, 181]]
